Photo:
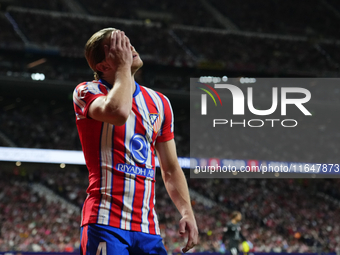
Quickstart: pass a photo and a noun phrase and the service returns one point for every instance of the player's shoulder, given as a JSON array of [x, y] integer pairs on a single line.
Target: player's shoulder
[[154, 93], [92, 87], [90, 84]]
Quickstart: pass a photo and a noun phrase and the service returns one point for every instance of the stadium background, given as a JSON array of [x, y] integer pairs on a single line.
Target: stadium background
[[41, 61]]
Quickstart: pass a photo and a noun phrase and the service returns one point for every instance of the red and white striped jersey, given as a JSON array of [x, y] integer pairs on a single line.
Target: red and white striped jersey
[[121, 159]]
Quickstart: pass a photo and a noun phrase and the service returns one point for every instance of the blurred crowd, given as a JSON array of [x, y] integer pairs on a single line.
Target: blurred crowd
[[70, 33], [330, 187], [8, 38], [65, 35], [51, 125], [43, 124], [279, 17], [188, 12], [279, 215], [258, 54], [55, 5], [318, 18], [29, 222]]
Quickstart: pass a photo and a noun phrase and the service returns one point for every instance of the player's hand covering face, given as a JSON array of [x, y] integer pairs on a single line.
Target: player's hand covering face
[[118, 53]]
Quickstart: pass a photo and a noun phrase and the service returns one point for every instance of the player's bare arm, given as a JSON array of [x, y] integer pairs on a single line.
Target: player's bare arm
[[116, 106], [177, 187]]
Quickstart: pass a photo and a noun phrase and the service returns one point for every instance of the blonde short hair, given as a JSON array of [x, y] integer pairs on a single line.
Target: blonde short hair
[[94, 50]]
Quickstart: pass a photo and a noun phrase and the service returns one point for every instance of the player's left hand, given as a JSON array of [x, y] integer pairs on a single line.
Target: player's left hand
[[187, 225]]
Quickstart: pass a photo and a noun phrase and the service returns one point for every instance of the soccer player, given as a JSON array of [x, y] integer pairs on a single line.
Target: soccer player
[[121, 124], [233, 233]]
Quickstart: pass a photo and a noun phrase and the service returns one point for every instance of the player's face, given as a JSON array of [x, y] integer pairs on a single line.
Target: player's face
[[136, 61], [239, 217]]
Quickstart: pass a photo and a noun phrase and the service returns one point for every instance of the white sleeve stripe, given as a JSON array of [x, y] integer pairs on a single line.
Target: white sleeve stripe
[[79, 102], [172, 114], [106, 174], [93, 88]]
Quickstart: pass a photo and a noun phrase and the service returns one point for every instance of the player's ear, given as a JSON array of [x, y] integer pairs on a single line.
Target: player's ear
[[102, 67]]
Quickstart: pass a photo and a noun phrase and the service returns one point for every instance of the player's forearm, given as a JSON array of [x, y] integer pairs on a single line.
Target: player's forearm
[[119, 99], [177, 187]]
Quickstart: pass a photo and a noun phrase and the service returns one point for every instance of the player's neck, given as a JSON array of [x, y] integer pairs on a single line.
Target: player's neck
[[111, 80]]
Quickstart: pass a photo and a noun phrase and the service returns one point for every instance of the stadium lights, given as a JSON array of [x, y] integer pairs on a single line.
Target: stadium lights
[[212, 79], [36, 63], [38, 76], [247, 80]]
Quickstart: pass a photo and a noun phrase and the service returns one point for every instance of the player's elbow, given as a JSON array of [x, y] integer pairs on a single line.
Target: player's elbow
[[121, 118], [169, 170], [117, 115]]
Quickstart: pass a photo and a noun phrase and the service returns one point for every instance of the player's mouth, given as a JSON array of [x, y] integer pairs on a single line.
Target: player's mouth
[[134, 55]]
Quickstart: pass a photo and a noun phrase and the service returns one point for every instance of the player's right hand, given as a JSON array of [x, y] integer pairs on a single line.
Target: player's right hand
[[118, 52]]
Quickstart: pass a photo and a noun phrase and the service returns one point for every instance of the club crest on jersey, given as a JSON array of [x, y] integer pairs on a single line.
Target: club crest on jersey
[[155, 121]]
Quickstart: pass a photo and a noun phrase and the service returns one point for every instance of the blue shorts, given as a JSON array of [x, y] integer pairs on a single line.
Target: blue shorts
[[96, 239]]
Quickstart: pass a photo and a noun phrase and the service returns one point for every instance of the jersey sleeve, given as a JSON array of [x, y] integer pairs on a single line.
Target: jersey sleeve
[[83, 96], [227, 234], [166, 131]]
